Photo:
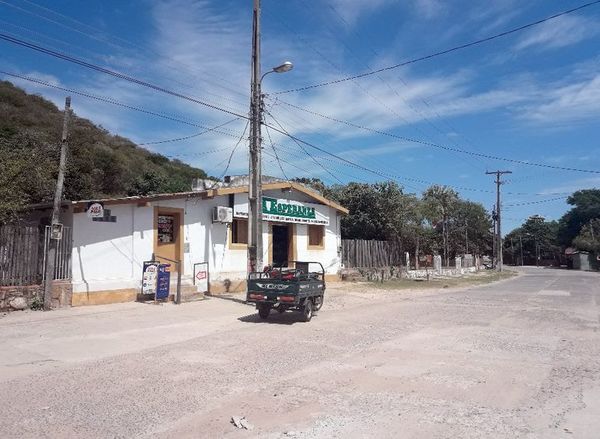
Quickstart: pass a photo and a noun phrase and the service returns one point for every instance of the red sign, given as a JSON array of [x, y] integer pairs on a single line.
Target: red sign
[[201, 275]]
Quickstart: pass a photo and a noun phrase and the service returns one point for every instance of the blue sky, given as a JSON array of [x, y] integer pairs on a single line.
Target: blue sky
[[532, 96]]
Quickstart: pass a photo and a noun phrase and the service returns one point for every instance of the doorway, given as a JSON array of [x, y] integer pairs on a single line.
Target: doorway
[[168, 227], [281, 244]]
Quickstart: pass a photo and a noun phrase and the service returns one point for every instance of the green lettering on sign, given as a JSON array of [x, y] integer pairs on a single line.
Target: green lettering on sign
[[272, 206]]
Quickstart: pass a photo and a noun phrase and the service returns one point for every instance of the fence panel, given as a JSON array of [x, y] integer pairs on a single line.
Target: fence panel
[[23, 251], [370, 253], [19, 253]]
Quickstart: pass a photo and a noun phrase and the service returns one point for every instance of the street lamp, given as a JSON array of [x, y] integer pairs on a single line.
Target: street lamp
[[255, 247]]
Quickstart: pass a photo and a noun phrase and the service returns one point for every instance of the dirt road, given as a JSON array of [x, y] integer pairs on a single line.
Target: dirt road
[[514, 359]]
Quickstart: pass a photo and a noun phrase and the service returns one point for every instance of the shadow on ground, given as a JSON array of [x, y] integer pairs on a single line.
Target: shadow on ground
[[285, 318]]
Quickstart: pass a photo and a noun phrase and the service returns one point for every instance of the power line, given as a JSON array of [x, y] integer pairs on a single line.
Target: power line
[[115, 102], [299, 141], [383, 174], [363, 90], [191, 136], [195, 154], [283, 131], [275, 151], [232, 153], [214, 129], [409, 105], [102, 37], [100, 69], [536, 202], [442, 52], [436, 145]]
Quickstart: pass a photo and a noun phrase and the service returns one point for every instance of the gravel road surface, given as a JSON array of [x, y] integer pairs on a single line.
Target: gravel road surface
[[519, 358]]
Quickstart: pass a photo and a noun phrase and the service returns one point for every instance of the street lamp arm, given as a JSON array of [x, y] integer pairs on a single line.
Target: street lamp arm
[[265, 74]]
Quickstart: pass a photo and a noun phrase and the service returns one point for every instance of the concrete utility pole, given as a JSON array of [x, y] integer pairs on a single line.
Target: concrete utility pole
[[55, 226], [255, 252], [255, 243], [498, 215]]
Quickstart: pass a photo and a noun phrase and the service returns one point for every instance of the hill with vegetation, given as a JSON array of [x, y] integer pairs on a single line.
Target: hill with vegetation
[[99, 164]]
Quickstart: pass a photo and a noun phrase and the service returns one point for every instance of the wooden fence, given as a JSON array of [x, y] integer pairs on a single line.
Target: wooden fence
[[365, 253], [19, 255], [22, 252]]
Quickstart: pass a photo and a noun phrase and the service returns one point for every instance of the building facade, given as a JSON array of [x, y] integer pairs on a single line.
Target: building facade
[[108, 252]]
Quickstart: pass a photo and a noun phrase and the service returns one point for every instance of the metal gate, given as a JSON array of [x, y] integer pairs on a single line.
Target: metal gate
[[62, 262]]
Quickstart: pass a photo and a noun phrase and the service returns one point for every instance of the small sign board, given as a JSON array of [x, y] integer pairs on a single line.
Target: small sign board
[[56, 231], [95, 209], [150, 277], [163, 282], [201, 277]]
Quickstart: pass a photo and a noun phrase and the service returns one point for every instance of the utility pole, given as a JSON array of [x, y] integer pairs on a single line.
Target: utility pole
[[498, 214], [512, 250], [521, 247], [495, 236], [255, 252], [466, 238], [55, 226]]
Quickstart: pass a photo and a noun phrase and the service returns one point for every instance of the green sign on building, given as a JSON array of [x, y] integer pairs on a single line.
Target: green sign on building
[[272, 206]]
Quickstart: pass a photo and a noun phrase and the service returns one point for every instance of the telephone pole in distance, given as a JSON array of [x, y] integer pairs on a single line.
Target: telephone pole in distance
[[498, 174]]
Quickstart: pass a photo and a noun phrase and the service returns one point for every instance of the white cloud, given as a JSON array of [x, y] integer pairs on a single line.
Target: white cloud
[[574, 102], [573, 185], [352, 10], [429, 9], [560, 32]]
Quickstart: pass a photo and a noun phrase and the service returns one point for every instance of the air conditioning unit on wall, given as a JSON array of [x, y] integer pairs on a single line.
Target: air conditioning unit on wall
[[222, 214]]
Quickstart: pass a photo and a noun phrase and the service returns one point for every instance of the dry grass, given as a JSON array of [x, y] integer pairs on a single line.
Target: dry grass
[[467, 280]]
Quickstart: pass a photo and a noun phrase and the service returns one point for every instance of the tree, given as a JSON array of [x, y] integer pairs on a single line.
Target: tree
[[313, 183], [469, 228], [538, 239], [586, 208], [377, 211], [440, 201], [99, 164], [28, 174], [589, 237]]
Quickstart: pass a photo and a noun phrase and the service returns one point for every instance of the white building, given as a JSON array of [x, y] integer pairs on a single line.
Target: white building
[[108, 252]]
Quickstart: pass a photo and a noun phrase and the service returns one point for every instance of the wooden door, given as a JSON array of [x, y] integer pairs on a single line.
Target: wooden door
[[168, 236]]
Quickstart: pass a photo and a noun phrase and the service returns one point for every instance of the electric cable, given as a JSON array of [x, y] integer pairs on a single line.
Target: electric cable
[[191, 136], [122, 76], [107, 39], [275, 151], [527, 203], [443, 52], [117, 103], [283, 131], [435, 145], [232, 153]]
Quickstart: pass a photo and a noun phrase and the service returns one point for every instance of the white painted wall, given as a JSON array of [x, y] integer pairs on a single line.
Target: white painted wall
[[109, 256], [329, 256]]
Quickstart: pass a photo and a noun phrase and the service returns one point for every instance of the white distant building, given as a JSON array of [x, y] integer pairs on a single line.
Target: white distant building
[[108, 252]]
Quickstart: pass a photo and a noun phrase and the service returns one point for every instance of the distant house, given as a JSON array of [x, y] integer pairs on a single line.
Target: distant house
[[585, 261]]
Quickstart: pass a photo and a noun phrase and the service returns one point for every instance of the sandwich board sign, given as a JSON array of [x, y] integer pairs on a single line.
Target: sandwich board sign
[[156, 280], [149, 277], [201, 277]]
